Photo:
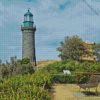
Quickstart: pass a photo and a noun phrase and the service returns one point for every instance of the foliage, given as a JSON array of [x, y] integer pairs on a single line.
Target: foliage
[[27, 87], [57, 68], [66, 79], [83, 78], [24, 61], [15, 68], [73, 48], [96, 48], [19, 61], [0, 61], [70, 66], [66, 61]]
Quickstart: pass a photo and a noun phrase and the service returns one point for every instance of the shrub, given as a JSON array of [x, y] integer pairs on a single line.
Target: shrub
[[64, 61], [24, 87], [15, 70], [97, 67], [1, 81], [25, 72], [4, 70], [19, 61], [83, 78], [70, 66], [66, 79], [61, 68], [24, 61]]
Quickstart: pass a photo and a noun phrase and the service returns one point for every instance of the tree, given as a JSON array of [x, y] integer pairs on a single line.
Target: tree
[[73, 48], [7, 63], [0, 61], [96, 48]]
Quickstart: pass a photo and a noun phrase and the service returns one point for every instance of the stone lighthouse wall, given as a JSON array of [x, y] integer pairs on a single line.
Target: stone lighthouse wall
[[28, 44]]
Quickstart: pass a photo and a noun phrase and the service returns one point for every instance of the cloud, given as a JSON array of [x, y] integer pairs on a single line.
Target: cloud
[[12, 47], [1, 17], [48, 52], [52, 25], [1, 7]]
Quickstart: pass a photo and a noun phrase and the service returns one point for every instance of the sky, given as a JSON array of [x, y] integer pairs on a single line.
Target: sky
[[54, 20]]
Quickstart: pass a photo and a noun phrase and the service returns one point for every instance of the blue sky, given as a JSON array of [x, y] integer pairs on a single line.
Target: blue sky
[[53, 24]]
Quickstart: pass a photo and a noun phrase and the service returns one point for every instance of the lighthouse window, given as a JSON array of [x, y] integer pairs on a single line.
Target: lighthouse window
[[27, 18], [31, 18]]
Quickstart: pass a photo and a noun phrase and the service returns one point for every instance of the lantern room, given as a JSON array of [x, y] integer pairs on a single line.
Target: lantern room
[[28, 19]]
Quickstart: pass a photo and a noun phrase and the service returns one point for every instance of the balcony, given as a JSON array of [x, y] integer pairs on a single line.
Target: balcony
[[23, 25]]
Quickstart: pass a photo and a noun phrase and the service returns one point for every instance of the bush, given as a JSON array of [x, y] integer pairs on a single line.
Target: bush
[[64, 61], [83, 78], [70, 66], [15, 70], [97, 67], [19, 61], [4, 70], [24, 61], [25, 72], [66, 79], [24, 87], [1, 81]]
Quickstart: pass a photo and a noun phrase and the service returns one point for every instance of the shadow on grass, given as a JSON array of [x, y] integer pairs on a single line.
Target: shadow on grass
[[88, 94], [52, 91]]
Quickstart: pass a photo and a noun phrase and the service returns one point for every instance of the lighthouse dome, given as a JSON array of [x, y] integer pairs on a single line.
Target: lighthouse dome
[[28, 13], [28, 19]]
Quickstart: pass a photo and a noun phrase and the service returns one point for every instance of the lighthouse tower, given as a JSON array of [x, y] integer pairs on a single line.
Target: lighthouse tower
[[28, 37]]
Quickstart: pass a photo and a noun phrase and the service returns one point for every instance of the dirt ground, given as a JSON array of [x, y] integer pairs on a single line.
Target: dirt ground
[[60, 92], [42, 64], [46, 62], [64, 92]]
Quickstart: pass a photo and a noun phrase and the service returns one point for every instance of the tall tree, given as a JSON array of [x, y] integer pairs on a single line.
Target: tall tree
[[97, 50], [73, 48]]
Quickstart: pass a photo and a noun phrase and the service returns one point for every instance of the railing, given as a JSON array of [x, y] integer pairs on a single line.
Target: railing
[[23, 25], [34, 25]]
